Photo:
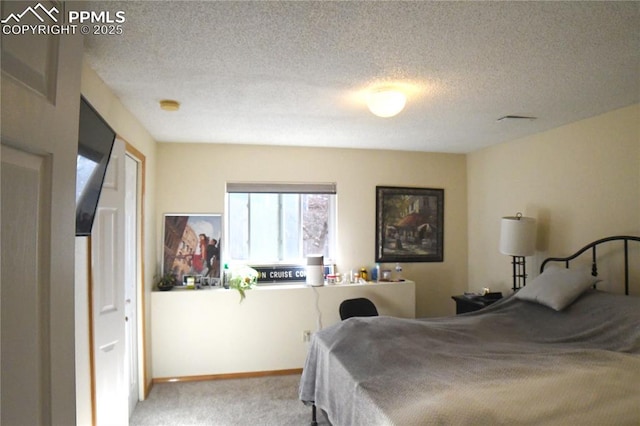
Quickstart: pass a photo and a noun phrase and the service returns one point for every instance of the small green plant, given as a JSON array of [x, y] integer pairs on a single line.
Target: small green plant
[[243, 278], [167, 281]]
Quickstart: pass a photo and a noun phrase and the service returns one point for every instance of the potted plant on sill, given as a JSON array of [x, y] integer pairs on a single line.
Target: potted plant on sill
[[167, 281], [242, 278]]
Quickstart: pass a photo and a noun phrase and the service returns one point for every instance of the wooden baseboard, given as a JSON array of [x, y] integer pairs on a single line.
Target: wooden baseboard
[[147, 389], [227, 376]]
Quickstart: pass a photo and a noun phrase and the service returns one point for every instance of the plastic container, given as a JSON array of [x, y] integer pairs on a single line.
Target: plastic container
[[398, 272], [375, 273], [315, 270]]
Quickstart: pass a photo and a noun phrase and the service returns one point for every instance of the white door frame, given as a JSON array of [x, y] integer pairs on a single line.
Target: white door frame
[[132, 279], [137, 156]]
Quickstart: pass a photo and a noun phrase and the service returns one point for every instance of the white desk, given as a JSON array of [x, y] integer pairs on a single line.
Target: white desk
[[208, 332]]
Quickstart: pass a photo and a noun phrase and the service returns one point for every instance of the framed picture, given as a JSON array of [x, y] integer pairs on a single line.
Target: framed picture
[[192, 246], [409, 224]]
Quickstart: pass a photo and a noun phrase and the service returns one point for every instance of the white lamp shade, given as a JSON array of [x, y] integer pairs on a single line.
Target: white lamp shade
[[518, 236]]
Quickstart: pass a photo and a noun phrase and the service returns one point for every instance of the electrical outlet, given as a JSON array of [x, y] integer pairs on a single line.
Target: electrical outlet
[[306, 335]]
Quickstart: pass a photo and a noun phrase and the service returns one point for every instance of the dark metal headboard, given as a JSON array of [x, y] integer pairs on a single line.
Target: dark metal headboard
[[594, 266]]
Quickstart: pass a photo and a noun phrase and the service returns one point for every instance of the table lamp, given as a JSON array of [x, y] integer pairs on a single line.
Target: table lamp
[[518, 239]]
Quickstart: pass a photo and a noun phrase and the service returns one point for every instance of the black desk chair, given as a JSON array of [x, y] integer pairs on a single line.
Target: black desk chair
[[359, 307]]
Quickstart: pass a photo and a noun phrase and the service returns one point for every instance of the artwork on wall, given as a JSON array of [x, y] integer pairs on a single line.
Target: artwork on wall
[[192, 247], [409, 224]]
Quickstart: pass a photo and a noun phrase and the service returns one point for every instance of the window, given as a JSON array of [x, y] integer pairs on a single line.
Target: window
[[280, 223]]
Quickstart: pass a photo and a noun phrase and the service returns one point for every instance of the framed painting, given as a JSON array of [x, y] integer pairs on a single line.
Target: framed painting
[[192, 246], [409, 224]]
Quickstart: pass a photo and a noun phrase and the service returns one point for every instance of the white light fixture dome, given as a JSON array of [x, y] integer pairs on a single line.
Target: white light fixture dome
[[386, 102]]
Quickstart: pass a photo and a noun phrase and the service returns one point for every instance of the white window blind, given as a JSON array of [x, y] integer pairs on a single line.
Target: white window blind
[[281, 188]]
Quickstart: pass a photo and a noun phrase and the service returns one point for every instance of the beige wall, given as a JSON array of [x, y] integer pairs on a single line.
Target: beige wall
[[580, 181], [130, 130], [191, 179]]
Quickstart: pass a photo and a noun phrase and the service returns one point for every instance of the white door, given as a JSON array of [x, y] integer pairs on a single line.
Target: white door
[[24, 321], [108, 310], [131, 279], [40, 83]]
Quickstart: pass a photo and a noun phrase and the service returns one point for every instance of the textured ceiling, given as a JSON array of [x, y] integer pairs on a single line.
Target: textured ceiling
[[292, 73]]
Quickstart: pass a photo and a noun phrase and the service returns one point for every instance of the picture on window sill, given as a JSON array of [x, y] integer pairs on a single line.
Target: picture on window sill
[[192, 245]]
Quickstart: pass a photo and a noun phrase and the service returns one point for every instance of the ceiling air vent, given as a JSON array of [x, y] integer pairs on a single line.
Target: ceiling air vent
[[515, 117]]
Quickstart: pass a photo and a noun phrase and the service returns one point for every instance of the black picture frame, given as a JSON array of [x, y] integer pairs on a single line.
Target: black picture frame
[[409, 224]]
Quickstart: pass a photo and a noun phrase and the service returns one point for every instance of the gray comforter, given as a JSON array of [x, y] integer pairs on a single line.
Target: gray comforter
[[515, 362]]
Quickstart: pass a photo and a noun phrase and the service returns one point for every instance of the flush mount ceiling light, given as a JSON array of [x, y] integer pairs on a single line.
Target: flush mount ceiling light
[[386, 102], [169, 105]]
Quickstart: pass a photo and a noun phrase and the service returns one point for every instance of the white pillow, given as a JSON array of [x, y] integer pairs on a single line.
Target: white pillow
[[557, 287]]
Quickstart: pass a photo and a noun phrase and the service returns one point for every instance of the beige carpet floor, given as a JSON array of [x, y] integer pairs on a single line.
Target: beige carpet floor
[[269, 401]]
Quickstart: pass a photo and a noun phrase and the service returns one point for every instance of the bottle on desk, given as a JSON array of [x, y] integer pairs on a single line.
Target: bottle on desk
[[398, 276], [225, 276], [364, 275], [375, 273]]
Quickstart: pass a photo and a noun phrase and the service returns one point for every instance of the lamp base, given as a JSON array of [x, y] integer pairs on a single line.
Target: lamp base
[[519, 272]]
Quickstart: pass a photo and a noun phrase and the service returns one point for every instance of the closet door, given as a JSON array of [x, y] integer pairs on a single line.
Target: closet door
[[108, 298]]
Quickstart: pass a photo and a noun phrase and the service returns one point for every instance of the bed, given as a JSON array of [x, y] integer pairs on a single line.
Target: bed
[[538, 356]]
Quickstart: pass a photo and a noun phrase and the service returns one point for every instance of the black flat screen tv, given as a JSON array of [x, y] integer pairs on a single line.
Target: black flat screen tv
[[95, 142]]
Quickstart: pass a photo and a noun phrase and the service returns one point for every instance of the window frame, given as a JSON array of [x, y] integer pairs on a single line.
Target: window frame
[[281, 189]]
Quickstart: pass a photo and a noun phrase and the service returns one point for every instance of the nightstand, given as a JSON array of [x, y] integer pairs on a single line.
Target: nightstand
[[470, 303]]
